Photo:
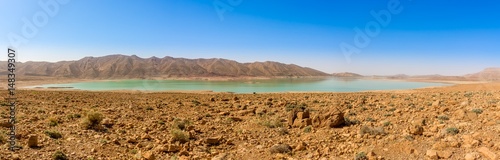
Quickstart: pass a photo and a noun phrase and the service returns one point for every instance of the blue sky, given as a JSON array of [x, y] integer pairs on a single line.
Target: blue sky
[[424, 37]]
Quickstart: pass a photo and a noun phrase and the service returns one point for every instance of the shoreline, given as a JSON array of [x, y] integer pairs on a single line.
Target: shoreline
[[34, 84]]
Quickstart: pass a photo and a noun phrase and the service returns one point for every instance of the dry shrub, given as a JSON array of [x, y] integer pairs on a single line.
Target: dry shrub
[[92, 121], [372, 130]]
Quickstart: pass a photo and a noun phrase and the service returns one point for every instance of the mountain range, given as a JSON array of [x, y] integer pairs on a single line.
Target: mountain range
[[122, 66], [134, 67]]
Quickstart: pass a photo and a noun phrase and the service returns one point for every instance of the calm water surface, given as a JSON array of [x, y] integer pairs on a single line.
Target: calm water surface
[[249, 86]]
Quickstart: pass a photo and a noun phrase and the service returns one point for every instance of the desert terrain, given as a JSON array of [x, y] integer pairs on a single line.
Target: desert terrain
[[456, 122]]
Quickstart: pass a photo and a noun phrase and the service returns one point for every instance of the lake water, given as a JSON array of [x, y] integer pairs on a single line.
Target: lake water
[[249, 86]]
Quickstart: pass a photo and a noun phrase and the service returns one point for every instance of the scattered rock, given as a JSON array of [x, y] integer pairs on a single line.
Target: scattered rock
[[416, 129], [436, 103], [15, 157], [221, 156], [301, 146], [131, 140], [5, 124], [213, 140], [149, 155], [332, 119], [291, 117], [472, 156], [246, 112], [487, 153], [431, 154], [146, 136], [173, 148], [303, 115], [33, 141], [108, 122], [444, 154]]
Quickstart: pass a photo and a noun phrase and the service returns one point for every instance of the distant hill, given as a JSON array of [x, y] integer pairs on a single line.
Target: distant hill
[[490, 74], [346, 74], [122, 66]]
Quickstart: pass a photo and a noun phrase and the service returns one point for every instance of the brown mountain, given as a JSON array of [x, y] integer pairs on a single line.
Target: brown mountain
[[121, 66], [489, 74], [346, 74]]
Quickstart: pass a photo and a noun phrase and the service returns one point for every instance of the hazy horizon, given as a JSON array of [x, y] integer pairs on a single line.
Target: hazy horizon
[[421, 37]]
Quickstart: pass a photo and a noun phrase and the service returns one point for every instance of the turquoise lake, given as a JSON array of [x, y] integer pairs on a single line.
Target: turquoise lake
[[250, 86]]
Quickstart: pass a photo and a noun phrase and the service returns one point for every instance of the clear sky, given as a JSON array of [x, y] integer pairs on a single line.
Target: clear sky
[[420, 37]]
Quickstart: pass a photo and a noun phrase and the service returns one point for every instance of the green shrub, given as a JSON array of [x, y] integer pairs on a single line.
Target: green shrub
[[290, 107], [452, 130], [178, 135], [307, 129], [134, 151], [59, 156], [92, 121], [274, 123], [349, 122], [477, 110], [443, 117], [361, 156], [369, 119], [53, 134], [53, 121], [181, 124], [387, 123]]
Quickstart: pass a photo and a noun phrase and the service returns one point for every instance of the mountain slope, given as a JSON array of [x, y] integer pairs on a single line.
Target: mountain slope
[[121, 66], [346, 74], [486, 74]]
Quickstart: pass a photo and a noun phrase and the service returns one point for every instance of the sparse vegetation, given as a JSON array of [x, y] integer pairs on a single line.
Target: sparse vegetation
[[179, 136], [290, 107], [281, 148], [74, 116], [387, 123], [273, 123], [53, 134], [372, 130], [443, 117], [134, 151], [59, 155], [2, 139], [409, 137], [349, 122], [53, 121], [452, 130], [282, 131], [161, 122], [92, 121], [307, 129], [195, 102], [181, 124], [361, 156], [477, 110], [369, 119]]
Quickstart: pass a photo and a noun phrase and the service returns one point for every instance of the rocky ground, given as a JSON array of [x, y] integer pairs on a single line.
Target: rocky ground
[[457, 122]]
